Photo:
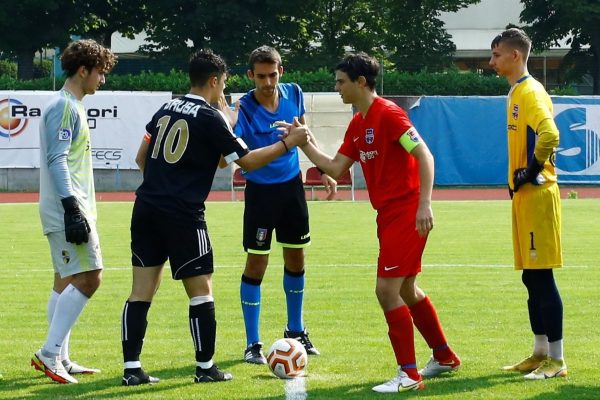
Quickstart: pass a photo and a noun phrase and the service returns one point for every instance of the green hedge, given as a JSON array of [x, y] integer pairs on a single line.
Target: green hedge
[[452, 83]]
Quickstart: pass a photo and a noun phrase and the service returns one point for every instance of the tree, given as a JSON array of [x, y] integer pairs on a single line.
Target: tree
[[101, 18], [230, 27], [336, 26], [31, 25], [577, 20], [407, 33], [415, 36]]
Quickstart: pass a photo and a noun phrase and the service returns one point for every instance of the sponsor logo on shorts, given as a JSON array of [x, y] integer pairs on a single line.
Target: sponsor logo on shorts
[[66, 256], [386, 268], [305, 236], [261, 234]]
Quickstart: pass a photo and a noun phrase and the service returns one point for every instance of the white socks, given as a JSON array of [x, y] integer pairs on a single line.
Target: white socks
[[64, 350], [69, 305], [556, 350], [540, 345]]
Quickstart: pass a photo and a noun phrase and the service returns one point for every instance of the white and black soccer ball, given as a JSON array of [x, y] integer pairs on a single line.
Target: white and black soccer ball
[[287, 359]]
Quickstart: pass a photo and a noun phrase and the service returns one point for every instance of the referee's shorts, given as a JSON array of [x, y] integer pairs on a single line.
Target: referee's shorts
[[280, 207]]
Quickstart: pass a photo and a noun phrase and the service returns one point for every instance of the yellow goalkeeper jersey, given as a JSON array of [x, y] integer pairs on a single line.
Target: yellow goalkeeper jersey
[[528, 105]]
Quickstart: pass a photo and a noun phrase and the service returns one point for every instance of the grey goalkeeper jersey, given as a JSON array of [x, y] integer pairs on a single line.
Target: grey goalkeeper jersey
[[66, 161]]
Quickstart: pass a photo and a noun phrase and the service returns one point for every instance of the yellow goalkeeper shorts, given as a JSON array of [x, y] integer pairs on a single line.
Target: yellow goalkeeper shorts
[[536, 221]]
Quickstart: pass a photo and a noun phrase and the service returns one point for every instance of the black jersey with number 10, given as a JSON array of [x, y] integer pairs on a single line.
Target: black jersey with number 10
[[187, 138]]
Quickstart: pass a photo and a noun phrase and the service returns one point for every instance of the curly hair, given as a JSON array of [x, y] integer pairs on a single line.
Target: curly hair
[[88, 53]]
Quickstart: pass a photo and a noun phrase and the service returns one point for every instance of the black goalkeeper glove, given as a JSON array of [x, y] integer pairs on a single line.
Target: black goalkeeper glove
[[522, 176], [77, 228]]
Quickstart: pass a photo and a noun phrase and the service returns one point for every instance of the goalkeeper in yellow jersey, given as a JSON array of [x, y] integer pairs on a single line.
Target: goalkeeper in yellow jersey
[[532, 182]]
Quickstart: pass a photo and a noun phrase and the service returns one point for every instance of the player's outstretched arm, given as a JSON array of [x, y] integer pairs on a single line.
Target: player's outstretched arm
[[334, 167], [297, 136], [328, 182]]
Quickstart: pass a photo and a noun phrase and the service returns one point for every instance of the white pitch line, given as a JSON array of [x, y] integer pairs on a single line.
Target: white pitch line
[[295, 389], [240, 266]]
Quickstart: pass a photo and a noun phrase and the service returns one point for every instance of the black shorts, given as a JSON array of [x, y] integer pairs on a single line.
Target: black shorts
[[157, 236], [280, 207]]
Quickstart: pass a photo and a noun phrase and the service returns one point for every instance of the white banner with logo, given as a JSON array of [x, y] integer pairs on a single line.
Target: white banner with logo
[[117, 123]]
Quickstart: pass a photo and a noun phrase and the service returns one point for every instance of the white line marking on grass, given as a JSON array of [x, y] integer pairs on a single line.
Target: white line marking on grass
[[370, 266], [373, 266], [295, 389]]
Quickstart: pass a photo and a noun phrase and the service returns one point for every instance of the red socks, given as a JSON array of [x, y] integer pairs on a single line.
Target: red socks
[[401, 333], [427, 322]]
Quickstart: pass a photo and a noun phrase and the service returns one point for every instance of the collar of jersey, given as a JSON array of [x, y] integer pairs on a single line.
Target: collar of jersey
[[195, 96], [521, 79]]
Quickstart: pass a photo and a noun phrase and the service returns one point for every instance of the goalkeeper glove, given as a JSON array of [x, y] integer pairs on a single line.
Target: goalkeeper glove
[[522, 176], [77, 228]]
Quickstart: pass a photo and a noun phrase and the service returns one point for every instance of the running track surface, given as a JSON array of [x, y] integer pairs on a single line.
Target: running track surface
[[343, 194]]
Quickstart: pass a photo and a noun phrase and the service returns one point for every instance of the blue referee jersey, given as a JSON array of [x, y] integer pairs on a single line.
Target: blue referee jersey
[[256, 126]]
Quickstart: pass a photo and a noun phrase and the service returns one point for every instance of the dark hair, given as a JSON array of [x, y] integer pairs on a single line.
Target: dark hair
[[205, 64], [360, 64], [264, 54], [515, 38], [88, 53]]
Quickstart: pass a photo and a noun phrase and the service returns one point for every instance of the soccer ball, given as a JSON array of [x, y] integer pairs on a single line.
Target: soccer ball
[[287, 358]]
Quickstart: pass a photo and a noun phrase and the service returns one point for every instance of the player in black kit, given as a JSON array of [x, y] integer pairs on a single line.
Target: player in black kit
[[182, 147]]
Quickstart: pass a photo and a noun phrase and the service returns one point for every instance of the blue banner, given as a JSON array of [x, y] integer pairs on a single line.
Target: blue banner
[[467, 136]]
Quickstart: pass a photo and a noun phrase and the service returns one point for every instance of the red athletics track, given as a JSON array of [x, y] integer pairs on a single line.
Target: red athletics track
[[344, 194]]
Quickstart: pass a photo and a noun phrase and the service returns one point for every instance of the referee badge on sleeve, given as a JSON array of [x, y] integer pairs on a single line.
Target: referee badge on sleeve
[[64, 134]]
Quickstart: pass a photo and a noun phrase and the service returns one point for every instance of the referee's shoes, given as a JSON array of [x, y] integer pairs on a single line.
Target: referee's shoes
[[302, 337]]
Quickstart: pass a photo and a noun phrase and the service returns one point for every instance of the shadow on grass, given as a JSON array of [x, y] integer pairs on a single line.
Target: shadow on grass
[[569, 392], [450, 385], [40, 387]]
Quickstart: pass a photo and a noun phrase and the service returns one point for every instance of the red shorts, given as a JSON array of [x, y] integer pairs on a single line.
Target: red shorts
[[400, 246]]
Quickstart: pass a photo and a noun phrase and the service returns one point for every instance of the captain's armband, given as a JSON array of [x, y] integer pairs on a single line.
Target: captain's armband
[[410, 139]]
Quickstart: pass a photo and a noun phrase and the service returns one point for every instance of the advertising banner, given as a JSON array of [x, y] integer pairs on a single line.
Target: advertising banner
[[117, 123], [467, 136]]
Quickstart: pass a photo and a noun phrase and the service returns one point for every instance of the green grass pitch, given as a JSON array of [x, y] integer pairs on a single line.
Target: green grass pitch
[[467, 273]]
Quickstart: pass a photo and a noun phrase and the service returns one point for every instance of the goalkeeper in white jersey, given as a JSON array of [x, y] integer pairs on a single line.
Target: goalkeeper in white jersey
[[68, 205]]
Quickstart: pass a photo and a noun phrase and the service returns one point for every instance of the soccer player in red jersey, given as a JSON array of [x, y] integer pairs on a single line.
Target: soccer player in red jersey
[[398, 169]]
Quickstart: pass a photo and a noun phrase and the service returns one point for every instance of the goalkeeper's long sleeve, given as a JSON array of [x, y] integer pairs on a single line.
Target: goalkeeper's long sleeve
[[547, 139]]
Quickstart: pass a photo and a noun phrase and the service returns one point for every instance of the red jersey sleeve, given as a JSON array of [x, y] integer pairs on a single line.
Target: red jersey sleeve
[[398, 119]]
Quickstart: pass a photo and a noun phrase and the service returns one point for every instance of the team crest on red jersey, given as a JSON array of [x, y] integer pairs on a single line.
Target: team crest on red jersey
[[369, 135], [515, 111]]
